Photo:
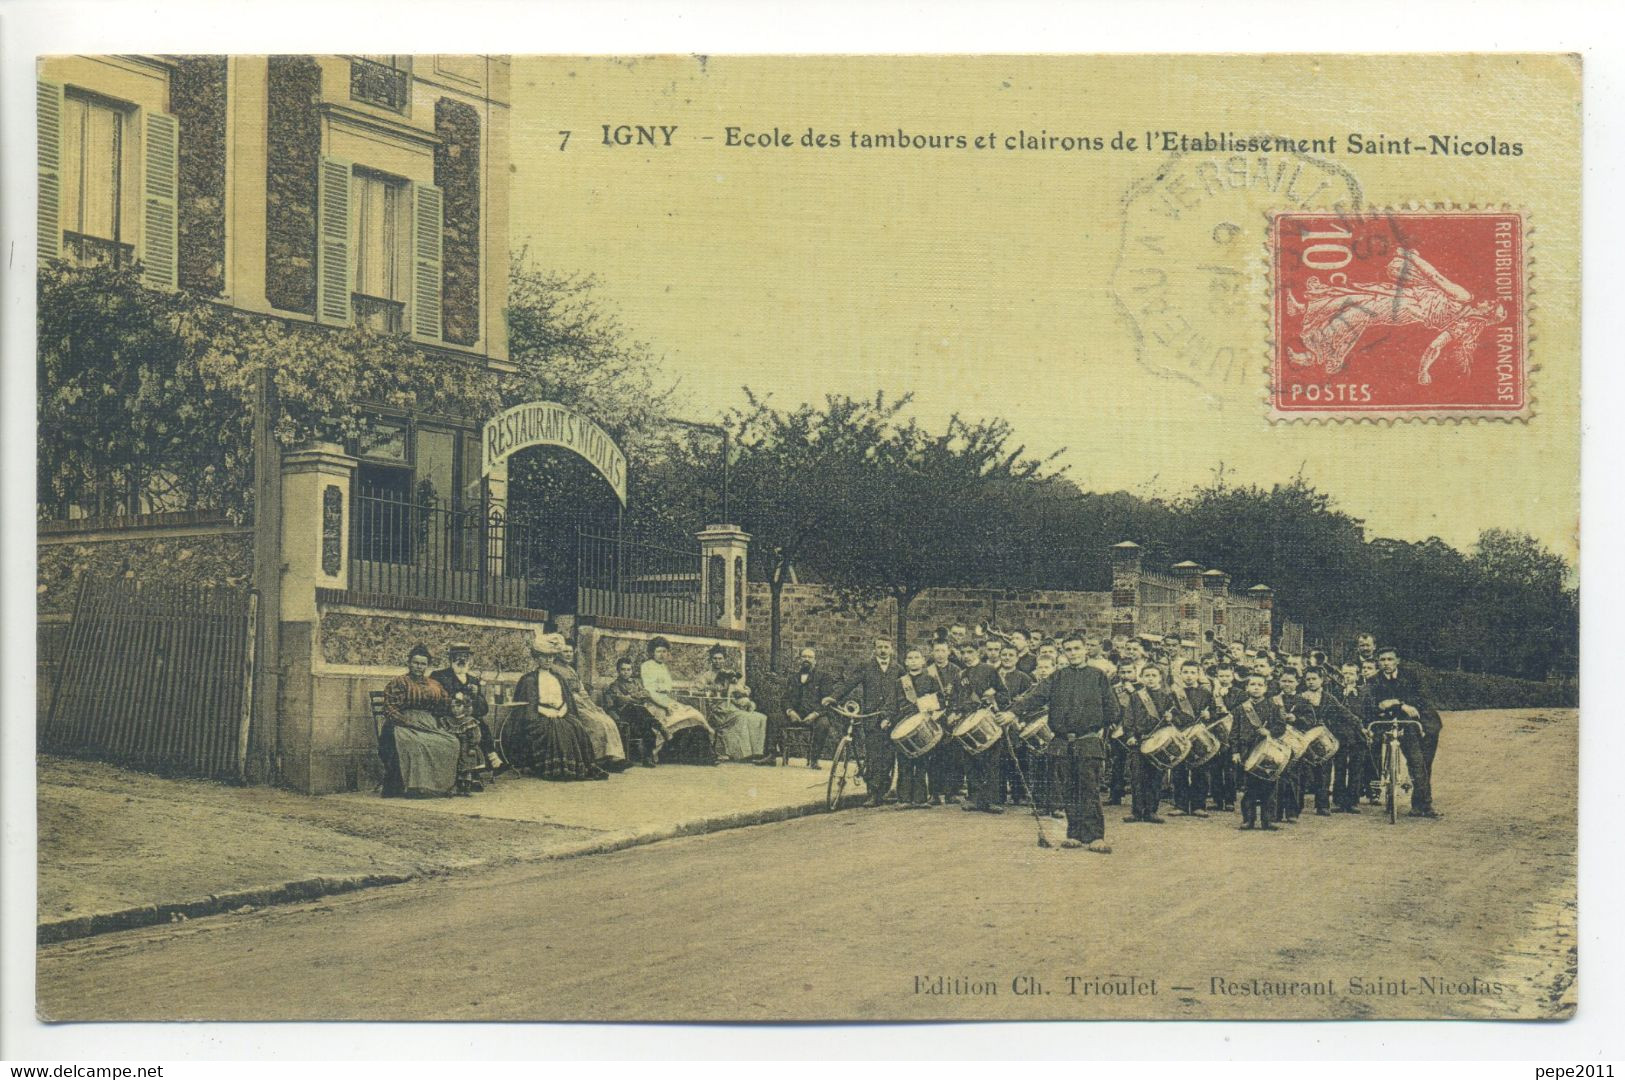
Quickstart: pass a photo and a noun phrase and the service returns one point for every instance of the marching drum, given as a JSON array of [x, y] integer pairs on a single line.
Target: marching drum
[[1268, 759], [1319, 746], [917, 735], [979, 731], [1008, 719], [1204, 745], [1296, 741], [1037, 734], [1166, 746]]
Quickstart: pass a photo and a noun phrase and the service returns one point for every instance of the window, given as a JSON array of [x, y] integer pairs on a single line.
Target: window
[[93, 137], [381, 250]]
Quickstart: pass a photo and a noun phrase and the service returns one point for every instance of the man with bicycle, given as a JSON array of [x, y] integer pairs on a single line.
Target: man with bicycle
[[875, 687], [1396, 692]]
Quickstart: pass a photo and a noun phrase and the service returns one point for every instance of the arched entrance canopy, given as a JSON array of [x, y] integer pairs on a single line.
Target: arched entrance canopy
[[547, 423]]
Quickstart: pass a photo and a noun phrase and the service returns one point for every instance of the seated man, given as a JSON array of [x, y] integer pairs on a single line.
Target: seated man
[[741, 730], [804, 692], [630, 703]]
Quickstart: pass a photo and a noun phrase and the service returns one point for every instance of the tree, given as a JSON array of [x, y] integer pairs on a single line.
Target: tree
[[794, 472], [911, 519]]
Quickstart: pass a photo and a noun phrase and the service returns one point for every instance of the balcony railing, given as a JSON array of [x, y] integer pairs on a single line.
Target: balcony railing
[[379, 84], [379, 314], [625, 579], [86, 250]]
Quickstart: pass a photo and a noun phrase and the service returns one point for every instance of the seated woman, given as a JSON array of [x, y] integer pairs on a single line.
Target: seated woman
[[420, 755], [688, 733], [555, 744], [606, 737], [741, 730]]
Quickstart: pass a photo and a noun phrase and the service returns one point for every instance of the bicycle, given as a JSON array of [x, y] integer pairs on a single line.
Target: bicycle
[[847, 762], [1392, 773]]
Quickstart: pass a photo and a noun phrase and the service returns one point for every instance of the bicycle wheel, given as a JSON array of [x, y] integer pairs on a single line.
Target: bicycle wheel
[[1391, 784], [839, 766]]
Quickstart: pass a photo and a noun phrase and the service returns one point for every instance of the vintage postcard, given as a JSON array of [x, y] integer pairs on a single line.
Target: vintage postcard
[[747, 538]]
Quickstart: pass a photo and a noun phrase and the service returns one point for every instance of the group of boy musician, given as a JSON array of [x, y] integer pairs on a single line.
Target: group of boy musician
[[1103, 700]]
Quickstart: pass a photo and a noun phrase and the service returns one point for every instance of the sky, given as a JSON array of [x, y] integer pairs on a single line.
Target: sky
[[1007, 282]]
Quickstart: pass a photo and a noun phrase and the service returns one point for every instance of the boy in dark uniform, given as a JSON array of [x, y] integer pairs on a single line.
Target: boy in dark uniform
[[977, 689], [1258, 716], [1193, 704], [916, 682], [1289, 793], [1147, 706]]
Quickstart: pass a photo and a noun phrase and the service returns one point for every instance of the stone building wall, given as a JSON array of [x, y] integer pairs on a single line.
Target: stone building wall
[[197, 97], [457, 174], [204, 555], [294, 146]]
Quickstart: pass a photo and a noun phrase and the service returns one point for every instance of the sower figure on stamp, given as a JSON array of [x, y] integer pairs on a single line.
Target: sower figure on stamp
[[1193, 704], [874, 687], [1148, 705], [1259, 717], [1082, 709], [1394, 688]]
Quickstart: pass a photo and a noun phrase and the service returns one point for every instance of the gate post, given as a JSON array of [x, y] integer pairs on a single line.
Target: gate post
[[725, 592], [316, 481], [1125, 610]]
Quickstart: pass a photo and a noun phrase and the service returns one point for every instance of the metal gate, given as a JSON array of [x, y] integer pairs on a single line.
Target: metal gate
[[157, 677]]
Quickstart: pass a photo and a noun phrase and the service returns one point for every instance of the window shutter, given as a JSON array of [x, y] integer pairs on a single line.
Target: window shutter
[[426, 262], [158, 219], [333, 269], [49, 111]]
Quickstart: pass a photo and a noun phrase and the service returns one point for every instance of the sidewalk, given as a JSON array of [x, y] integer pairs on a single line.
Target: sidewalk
[[119, 848]]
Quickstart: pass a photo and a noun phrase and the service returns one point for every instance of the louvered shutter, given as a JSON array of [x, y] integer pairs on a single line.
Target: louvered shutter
[[333, 269], [158, 219], [427, 224], [49, 111]]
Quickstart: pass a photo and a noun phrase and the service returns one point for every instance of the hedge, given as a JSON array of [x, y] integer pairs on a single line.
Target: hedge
[[1467, 690]]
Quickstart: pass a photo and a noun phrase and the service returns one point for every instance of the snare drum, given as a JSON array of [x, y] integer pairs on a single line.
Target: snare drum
[[1037, 734], [1319, 746], [1166, 746], [1296, 742], [917, 735], [979, 731], [1268, 760], [1204, 745]]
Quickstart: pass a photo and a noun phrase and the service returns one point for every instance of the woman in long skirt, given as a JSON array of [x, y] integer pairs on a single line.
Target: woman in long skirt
[[557, 746], [607, 748], [420, 756]]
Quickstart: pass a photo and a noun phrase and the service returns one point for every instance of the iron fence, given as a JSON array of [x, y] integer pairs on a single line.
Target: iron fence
[[628, 579], [156, 677], [419, 547]]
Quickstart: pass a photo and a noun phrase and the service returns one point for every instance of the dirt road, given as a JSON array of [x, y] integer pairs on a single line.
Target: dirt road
[[937, 914]]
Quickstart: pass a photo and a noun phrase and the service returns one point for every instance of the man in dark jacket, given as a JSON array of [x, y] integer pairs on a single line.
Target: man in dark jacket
[[804, 692], [1082, 709], [1395, 689], [875, 688], [459, 678]]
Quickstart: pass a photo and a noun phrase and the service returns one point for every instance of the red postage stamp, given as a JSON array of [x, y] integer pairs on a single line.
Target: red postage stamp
[[1399, 314]]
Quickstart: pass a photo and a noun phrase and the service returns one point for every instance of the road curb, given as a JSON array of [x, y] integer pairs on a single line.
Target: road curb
[[292, 892]]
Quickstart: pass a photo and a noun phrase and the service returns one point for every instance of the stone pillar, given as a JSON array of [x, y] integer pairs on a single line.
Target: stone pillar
[[723, 550], [1217, 584], [316, 482], [1189, 576], [1266, 603], [1125, 610]]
